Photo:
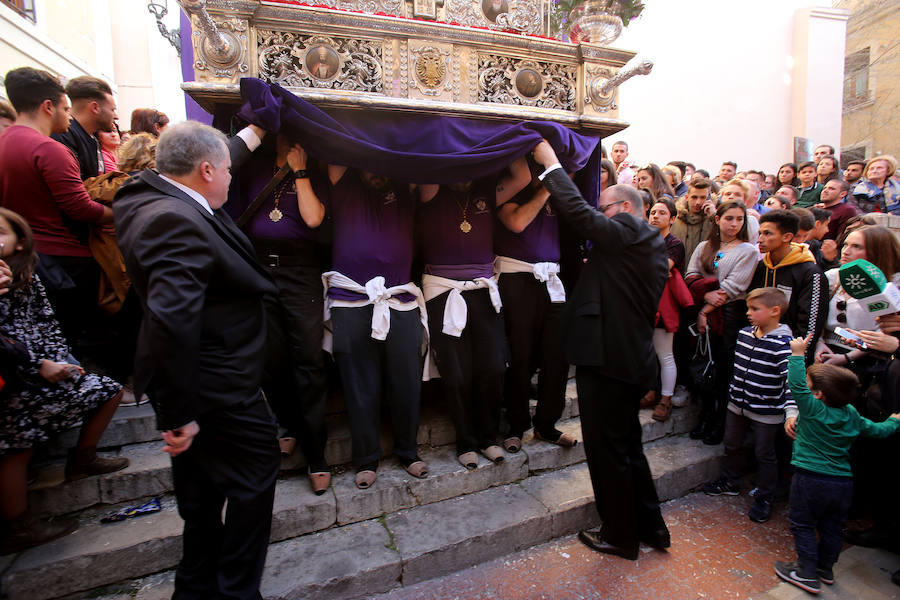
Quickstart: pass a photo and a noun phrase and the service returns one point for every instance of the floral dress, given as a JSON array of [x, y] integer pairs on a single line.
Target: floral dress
[[33, 409]]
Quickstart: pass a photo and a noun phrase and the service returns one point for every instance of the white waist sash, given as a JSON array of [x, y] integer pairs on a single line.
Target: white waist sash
[[546, 272], [456, 313]]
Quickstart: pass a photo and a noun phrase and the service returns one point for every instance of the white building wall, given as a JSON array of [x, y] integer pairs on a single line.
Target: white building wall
[[724, 84]]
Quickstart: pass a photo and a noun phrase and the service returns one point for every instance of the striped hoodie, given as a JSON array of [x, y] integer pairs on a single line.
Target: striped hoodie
[[759, 387]]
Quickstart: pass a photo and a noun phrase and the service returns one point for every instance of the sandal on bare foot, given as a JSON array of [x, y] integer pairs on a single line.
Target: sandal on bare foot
[[287, 445], [564, 439], [649, 399], [320, 482], [365, 478], [469, 460], [494, 454], [512, 444], [662, 412], [418, 468]]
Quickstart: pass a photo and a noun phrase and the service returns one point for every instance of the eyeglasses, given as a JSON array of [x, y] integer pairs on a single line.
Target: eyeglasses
[[841, 305], [719, 256], [606, 206]]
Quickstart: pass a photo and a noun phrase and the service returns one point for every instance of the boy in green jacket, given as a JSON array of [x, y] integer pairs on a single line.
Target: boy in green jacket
[[822, 487]]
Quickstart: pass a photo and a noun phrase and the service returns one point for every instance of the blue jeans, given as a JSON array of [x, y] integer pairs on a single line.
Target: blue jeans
[[819, 503]]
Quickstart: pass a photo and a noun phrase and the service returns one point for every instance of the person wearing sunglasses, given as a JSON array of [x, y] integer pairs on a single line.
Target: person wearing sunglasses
[[723, 265]]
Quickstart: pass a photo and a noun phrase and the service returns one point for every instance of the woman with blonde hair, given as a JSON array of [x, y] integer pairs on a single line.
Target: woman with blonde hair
[[878, 191]]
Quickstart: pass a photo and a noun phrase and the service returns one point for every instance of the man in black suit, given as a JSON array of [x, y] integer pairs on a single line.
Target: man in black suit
[[607, 332], [200, 357]]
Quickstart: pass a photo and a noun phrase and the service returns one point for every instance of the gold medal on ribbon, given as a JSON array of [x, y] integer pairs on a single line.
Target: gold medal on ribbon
[[465, 226], [275, 215]]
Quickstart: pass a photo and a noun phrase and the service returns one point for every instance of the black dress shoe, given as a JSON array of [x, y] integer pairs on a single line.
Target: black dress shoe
[[715, 436], [595, 542], [658, 539], [702, 429]]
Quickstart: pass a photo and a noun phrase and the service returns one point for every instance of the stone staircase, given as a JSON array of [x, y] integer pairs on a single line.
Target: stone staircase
[[347, 543]]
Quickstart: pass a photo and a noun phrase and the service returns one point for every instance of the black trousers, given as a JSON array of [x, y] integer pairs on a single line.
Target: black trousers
[[295, 380], [235, 457], [472, 368], [535, 342], [714, 406], [370, 367], [764, 446], [623, 485]]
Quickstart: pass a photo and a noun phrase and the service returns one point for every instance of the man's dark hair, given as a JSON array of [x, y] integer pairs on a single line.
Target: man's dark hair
[[87, 88], [845, 187], [793, 190], [861, 163], [699, 183], [27, 88], [785, 220], [830, 148], [839, 386], [730, 162], [703, 172], [805, 165], [821, 215], [691, 165], [620, 143], [755, 172], [806, 218], [680, 165]]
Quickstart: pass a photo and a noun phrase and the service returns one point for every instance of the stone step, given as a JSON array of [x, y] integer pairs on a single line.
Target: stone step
[[137, 424], [403, 547], [149, 473]]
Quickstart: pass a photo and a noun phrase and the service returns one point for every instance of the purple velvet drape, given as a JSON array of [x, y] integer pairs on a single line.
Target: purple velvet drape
[[415, 148], [193, 110]]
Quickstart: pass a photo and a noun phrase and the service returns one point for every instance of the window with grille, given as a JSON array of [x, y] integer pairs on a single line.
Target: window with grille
[[856, 78]]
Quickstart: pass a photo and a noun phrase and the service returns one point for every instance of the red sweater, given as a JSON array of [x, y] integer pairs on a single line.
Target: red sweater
[[40, 180]]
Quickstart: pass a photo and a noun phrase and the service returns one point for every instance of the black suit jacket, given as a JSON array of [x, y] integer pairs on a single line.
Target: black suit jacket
[[609, 317], [202, 338]]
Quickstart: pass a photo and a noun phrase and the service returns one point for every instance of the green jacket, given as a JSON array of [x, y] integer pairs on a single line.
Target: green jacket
[[810, 196], [825, 434]]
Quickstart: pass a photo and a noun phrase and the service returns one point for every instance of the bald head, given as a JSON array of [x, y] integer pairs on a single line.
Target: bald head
[[625, 196]]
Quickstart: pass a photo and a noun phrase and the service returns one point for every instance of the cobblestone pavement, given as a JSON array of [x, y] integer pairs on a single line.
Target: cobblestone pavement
[[717, 553]]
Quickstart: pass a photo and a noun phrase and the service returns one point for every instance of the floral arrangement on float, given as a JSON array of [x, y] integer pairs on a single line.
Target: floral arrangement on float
[[596, 21]]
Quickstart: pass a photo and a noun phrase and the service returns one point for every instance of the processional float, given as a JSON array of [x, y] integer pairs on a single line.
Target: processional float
[[484, 59]]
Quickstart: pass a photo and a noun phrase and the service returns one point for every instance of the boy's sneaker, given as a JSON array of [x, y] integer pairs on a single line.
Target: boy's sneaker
[[826, 575], [789, 572], [721, 487], [760, 511]]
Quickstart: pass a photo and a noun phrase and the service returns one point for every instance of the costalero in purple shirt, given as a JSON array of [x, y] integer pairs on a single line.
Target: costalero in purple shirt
[[252, 178], [539, 242], [373, 233], [447, 250]]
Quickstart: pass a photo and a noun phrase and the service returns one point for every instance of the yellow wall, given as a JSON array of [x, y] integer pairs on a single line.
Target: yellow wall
[[875, 24]]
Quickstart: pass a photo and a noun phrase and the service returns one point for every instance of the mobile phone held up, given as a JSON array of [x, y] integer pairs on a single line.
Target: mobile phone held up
[[848, 335]]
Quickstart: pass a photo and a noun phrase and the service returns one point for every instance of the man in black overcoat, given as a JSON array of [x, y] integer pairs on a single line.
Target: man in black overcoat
[[200, 357], [607, 333]]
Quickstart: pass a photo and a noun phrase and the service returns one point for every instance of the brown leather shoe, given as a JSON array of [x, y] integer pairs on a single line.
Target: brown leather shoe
[[663, 411], [84, 462], [320, 482], [494, 454], [649, 400]]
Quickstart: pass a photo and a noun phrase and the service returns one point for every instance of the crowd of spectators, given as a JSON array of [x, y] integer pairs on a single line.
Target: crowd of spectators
[[744, 248]]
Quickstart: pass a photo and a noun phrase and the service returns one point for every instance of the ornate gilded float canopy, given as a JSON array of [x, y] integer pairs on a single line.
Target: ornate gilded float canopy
[[471, 58]]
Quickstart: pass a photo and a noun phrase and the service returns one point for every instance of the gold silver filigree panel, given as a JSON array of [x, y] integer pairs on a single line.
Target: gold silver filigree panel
[[227, 65], [517, 15], [507, 80], [432, 68], [316, 61]]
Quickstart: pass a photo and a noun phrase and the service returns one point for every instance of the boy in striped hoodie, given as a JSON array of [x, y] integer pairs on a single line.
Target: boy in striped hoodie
[[759, 399]]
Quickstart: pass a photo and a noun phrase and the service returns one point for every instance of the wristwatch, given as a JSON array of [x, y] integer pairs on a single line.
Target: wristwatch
[[301, 174]]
